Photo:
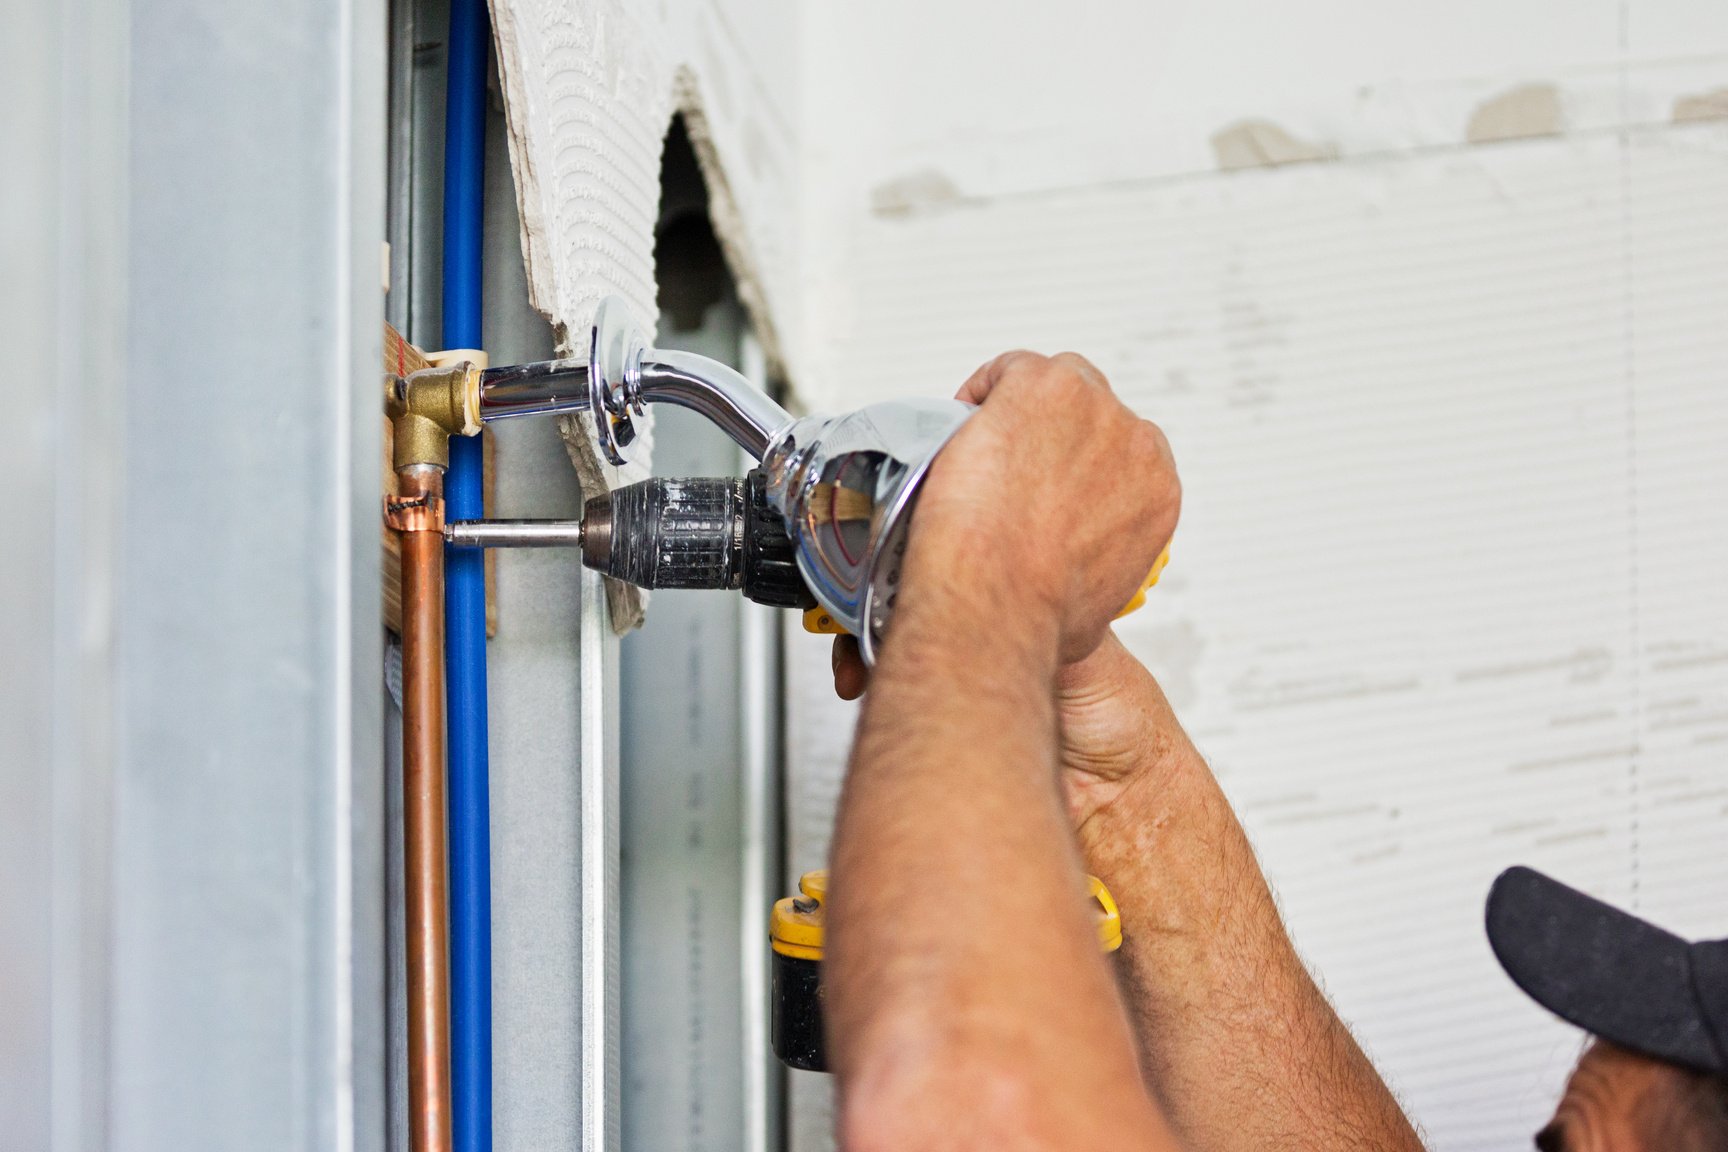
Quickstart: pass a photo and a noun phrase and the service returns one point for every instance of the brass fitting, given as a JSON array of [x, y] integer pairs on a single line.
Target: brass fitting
[[428, 407]]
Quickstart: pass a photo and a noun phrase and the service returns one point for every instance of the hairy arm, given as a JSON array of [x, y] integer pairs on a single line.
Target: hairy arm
[[1239, 1044], [968, 1005]]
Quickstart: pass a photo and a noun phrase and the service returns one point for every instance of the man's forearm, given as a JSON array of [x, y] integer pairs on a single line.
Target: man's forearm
[[1240, 1045], [963, 966]]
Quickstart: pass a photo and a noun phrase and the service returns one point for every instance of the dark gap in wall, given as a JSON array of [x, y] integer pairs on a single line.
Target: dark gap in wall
[[689, 265]]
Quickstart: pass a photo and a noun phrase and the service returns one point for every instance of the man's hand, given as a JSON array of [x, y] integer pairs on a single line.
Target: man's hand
[[1086, 493], [1236, 1041], [1057, 479], [1105, 502], [1036, 524]]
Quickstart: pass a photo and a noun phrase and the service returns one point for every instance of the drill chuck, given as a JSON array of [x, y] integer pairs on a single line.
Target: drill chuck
[[695, 532], [685, 532]]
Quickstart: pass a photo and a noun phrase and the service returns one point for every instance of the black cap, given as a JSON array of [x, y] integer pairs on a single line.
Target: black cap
[[1610, 973]]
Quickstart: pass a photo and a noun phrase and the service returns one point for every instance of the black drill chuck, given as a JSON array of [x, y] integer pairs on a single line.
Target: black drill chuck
[[695, 532]]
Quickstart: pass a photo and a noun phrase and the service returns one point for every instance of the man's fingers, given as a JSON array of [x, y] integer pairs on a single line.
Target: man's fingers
[[851, 677], [982, 382], [1082, 367]]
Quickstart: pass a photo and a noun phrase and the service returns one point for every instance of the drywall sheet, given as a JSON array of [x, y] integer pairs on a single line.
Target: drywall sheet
[[1447, 595]]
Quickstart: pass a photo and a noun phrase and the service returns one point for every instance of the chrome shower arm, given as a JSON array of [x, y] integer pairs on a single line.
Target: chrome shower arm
[[620, 376], [709, 388]]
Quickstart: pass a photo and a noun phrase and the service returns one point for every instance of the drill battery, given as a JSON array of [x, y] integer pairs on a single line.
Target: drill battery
[[796, 934]]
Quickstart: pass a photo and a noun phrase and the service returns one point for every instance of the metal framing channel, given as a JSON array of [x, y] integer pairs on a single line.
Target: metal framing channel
[[63, 321], [406, 173], [699, 828], [399, 201], [759, 656], [248, 919], [601, 1081], [699, 803]]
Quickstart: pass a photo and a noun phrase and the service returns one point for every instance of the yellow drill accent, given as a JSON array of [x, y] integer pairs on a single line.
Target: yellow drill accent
[[1151, 579], [821, 621], [1109, 916], [796, 926]]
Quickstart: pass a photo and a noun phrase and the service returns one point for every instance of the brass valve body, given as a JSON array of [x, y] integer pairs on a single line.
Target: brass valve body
[[427, 408]]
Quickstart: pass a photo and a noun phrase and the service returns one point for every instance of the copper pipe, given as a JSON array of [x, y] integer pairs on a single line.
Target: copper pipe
[[417, 512]]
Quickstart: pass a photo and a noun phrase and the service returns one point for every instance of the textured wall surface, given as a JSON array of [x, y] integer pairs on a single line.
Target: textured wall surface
[[591, 85]]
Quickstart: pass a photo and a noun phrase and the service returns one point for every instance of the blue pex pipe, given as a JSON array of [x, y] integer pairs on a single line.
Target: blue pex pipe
[[465, 602]]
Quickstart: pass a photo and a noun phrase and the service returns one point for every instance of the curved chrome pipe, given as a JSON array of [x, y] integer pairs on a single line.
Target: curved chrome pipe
[[707, 387]]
